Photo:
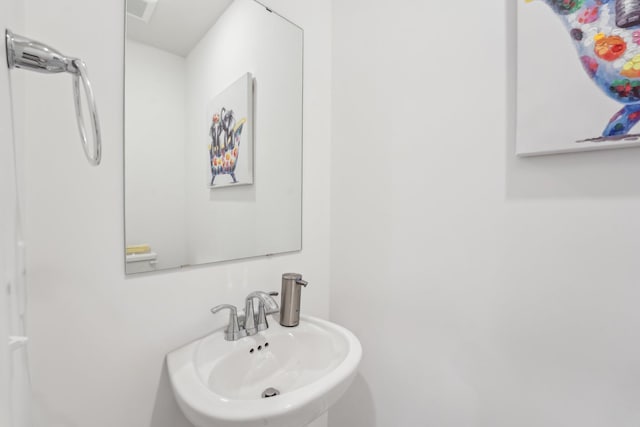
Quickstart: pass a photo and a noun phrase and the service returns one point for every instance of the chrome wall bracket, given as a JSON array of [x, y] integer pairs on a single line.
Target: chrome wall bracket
[[28, 54]]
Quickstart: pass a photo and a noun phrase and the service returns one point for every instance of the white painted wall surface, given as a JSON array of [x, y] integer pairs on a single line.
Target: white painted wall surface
[[14, 387], [99, 338], [156, 139], [487, 290], [8, 230], [8, 226]]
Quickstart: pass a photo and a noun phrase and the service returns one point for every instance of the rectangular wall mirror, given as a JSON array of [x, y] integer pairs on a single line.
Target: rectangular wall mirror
[[213, 133]]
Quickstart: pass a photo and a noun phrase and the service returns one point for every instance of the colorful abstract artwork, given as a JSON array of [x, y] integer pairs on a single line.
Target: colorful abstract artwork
[[578, 75], [230, 136]]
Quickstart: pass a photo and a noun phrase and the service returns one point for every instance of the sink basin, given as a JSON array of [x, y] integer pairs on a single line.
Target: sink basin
[[220, 383]]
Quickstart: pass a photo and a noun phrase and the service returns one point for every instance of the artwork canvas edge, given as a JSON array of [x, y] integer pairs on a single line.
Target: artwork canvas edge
[[591, 147]]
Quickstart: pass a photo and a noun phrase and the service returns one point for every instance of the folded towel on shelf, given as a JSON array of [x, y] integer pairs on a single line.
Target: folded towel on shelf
[[138, 249]]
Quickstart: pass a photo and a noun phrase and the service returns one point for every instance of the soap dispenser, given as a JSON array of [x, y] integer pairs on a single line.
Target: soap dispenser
[[290, 299]]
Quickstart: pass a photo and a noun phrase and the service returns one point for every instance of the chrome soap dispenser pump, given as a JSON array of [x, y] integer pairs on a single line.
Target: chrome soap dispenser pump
[[290, 299]]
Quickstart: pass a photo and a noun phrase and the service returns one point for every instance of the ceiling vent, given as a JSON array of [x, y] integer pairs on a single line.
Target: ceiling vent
[[141, 9]]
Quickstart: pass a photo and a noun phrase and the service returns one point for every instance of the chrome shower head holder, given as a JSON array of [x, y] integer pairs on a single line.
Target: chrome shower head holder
[[28, 54]]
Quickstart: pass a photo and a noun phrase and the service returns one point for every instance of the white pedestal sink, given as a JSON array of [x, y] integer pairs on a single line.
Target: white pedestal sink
[[220, 383]]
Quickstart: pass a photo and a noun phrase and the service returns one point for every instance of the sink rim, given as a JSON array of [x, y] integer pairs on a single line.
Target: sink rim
[[205, 404]]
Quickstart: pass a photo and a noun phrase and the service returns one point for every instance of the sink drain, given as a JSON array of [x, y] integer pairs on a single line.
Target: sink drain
[[270, 392]]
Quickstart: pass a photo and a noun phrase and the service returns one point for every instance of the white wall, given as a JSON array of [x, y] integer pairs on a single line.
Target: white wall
[[263, 218], [8, 226], [14, 387], [99, 338], [154, 167], [487, 290]]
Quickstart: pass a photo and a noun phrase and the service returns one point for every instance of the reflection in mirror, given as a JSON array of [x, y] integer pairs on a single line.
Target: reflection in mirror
[[213, 133]]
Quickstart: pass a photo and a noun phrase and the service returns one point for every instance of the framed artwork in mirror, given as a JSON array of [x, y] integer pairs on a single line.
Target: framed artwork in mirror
[[230, 138]]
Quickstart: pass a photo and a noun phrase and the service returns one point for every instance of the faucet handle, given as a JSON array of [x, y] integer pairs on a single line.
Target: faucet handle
[[233, 331], [270, 304], [267, 305], [249, 317], [262, 323]]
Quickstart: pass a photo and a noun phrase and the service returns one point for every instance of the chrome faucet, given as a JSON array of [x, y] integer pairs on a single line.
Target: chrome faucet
[[250, 323]]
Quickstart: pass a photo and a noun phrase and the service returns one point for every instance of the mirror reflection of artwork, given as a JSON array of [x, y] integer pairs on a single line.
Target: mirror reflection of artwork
[[230, 137], [590, 97]]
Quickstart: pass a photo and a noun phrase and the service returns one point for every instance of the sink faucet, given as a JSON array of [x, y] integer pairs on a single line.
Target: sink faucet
[[251, 323], [255, 323]]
